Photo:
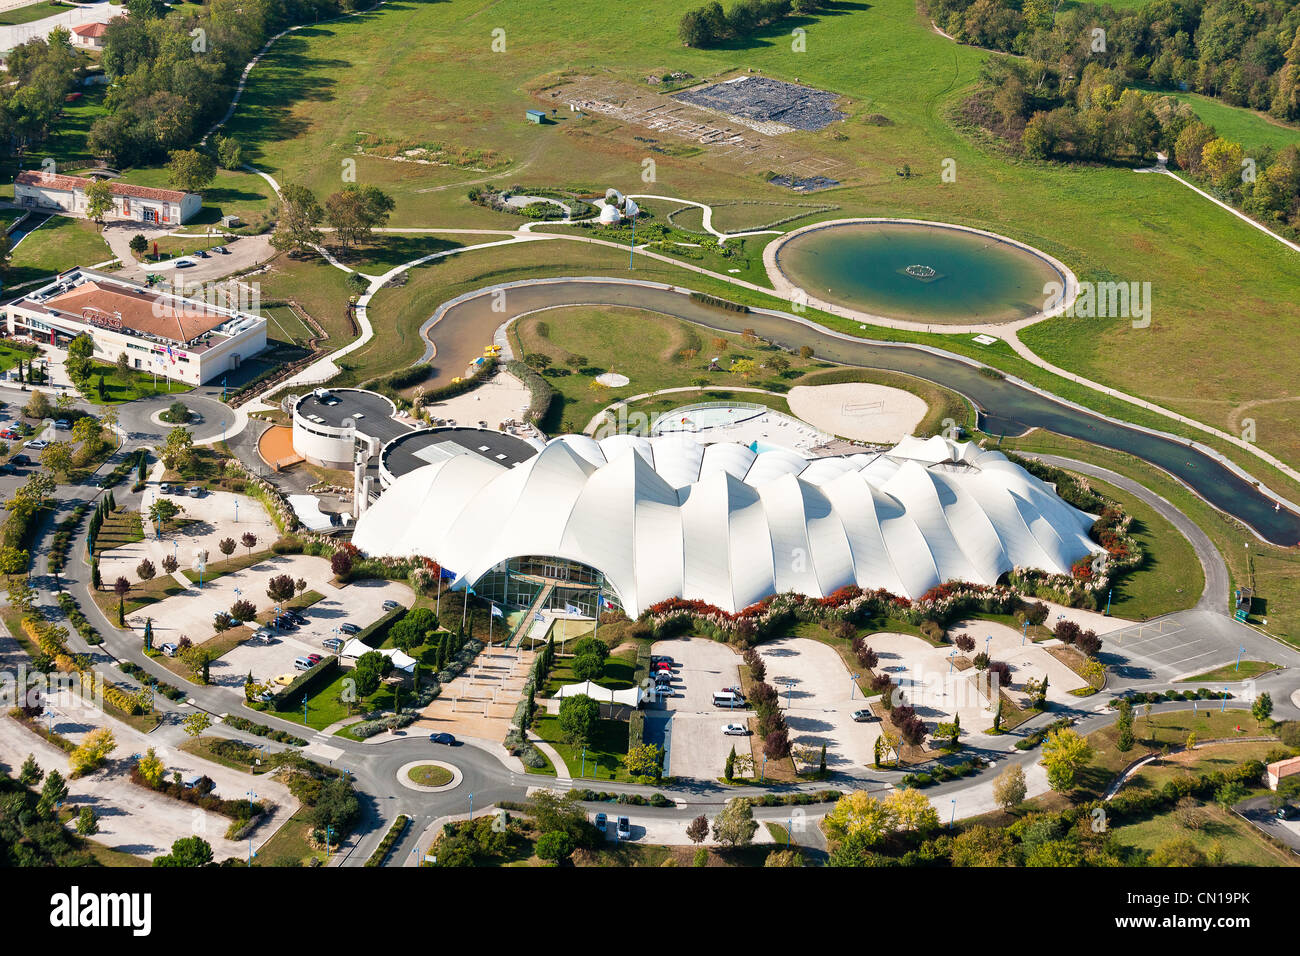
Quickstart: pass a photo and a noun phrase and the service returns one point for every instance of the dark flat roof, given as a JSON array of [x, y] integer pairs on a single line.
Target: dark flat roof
[[418, 449], [375, 413]]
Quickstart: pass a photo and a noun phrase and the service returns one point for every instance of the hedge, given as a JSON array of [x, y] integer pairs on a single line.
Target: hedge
[[291, 695], [261, 730], [540, 392], [386, 844], [374, 634], [713, 300]]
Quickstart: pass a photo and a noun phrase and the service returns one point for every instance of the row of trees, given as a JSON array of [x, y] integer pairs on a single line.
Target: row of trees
[[709, 25], [1245, 52], [353, 213]]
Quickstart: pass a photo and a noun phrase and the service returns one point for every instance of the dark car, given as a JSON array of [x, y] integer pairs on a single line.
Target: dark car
[[347, 627], [296, 618], [222, 250], [201, 254], [442, 738], [1287, 812], [20, 460], [284, 624], [602, 822], [8, 469]]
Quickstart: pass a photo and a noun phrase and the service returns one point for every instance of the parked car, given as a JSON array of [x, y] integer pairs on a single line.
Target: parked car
[[296, 618], [164, 489], [623, 828], [8, 469], [8, 434], [391, 605], [284, 623], [264, 635], [169, 649], [184, 263], [347, 627], [333, 644], [37, 444], [726, 698], [315, 658], [602, 822], [284, 680], [265, 696], [20, 459], [201, 254], [63, 425], [1287, 812], [661, 659], [221, 250], [736, 730], [442, 738], [303, 663], [864, 716], [196, 491]]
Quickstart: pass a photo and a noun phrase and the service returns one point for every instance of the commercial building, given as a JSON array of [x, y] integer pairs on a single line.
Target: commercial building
[[185, 339], [638, 520], [66, 195]]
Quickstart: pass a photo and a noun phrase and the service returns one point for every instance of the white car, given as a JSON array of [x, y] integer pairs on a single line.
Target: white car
[[37, 443], [185, 263], [736, 730]]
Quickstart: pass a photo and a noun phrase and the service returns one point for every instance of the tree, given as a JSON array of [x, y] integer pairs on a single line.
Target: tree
[[151, 767], [227, 547], [729, 769], [555, 846], [587, 667], [1177, 851], [196, 723], [370, 670], [30, 774], [280, 588], [1064, 752], [341, 563], [170, 564], [162, 512], [1009, 788], [99, 200], [735, 825], [643, 760], [94, 750], [145, 570], [356, 211], [54, 792], [297, 227], [230, 154], [243, 610], [983, 846], [38, 406], [187, 852], [1262, 708], [178, 450], [744, 368], [248, 540], [57, 457], [146, 9], [578, 716], [87, 822], [555, 812], [1124, 724], [912, 810], [121, 587], [139, 245], [698, 829], [189, 170], [860, 816]]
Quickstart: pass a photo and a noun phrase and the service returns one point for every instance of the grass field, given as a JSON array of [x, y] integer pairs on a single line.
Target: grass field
[[1245, 670], [30, 14], [59, 244], [233, 192], [1251, 129], [322, 86]]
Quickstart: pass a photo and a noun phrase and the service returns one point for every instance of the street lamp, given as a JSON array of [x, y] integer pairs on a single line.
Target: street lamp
[[953, 820], [853, 683]]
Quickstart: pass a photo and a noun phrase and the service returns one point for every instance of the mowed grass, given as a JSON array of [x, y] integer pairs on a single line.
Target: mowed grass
[[321, 87], [233, 192], [1253, 130], [30, 14], [59, 244]]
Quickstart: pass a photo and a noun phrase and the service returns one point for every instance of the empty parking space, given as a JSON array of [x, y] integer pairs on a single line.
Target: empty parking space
[[1164, 649], [697, 746], [818, 696]]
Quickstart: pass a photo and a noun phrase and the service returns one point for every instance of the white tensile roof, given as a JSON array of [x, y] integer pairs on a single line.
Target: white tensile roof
[[668, 517]]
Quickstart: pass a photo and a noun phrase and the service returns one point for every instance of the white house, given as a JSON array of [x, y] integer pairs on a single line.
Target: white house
[[89, 36], [66, 195]]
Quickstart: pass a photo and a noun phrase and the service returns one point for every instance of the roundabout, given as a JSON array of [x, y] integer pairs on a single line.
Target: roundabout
[[429, 776]]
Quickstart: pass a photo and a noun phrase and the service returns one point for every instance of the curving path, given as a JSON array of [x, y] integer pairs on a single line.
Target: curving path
[[1005, 405]]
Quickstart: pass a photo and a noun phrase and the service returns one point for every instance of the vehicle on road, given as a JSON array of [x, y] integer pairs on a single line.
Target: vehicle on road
[[442, 738], [602, 822], [623, 828], [864, 716], [736, 730]]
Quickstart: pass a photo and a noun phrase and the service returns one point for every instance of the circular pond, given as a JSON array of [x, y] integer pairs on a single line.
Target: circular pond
[[927, 272]]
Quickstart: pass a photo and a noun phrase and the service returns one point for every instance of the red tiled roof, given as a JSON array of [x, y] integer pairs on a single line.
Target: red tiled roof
[[91, 29], [32, 177], [142, 312]]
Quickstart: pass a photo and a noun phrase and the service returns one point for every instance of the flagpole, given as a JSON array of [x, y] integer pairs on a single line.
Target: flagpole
[[464, 608]]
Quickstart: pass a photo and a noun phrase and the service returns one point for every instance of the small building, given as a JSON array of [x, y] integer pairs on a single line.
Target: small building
[[185, 339], [66, 195], [535, 116], [1278, 771], [89, 36]]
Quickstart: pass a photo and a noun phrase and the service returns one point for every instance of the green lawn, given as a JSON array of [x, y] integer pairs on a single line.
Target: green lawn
[[61, 243], [120, 528], [1246, 670], [604, 754], [37, 11], [619, 674], [1242, 844], [1245, 126]]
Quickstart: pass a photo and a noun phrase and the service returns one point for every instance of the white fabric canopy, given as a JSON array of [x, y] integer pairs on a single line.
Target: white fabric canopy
[[401, 661], [628, 698], [307, 508]]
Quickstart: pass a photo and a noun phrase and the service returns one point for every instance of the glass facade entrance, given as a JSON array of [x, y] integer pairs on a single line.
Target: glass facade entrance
[[519, 582]]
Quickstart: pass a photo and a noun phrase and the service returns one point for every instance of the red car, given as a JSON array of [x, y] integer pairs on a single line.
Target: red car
[[315, 658]]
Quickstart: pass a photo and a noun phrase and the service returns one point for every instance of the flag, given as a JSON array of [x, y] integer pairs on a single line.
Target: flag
[[170, 355], [497, 612], [570, 609], [600, 600], [446, 573]]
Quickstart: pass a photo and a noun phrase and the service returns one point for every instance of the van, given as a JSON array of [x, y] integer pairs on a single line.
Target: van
[[302, 664], [727, 698]]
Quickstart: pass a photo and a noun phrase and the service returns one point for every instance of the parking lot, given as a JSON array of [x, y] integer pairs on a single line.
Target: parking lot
[[819, 698], [360, 603], [693, 735]]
